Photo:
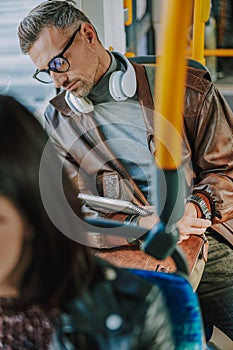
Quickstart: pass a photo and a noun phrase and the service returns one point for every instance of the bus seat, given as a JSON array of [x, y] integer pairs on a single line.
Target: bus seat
[[151, 59], [183, 305]]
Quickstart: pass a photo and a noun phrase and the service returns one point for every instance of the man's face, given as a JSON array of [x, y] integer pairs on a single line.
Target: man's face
[[84, 70]]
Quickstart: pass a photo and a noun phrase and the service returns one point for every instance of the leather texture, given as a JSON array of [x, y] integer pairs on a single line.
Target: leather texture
[[225, 229], [132, 257]]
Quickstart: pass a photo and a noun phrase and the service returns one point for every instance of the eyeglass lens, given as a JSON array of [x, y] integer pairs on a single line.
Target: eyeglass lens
[[44, 77], [58, 64]]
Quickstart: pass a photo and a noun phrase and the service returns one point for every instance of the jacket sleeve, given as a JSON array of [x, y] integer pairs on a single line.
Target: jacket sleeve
[[212, 152]]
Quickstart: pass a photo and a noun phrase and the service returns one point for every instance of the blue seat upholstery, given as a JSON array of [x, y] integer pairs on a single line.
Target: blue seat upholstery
[[184, 308]]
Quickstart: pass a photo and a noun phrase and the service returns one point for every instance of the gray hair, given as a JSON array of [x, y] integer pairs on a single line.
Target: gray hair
[[57, 13]]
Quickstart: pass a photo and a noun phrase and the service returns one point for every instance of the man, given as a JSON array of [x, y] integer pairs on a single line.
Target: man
[[102, 128]]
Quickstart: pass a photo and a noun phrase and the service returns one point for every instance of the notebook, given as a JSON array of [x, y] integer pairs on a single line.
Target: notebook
[[114, 205]]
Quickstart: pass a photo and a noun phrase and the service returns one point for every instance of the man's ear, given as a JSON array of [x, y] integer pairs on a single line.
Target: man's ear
[[89, 32]]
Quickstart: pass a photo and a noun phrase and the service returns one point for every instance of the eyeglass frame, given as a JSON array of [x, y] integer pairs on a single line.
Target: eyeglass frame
[[60, 55]]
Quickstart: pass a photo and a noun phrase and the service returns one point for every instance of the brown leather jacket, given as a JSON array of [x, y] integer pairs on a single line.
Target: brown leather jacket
[[208, 143]]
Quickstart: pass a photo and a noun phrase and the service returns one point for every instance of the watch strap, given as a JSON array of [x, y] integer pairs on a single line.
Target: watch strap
[[206, 214]]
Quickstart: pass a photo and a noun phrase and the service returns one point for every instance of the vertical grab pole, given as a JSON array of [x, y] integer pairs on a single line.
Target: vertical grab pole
[[128, 4], [169, 100], [170, 82], [200, 16]]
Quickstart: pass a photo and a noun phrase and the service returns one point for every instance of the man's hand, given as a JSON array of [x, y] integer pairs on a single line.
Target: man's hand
[[150, 220], [190, 224]]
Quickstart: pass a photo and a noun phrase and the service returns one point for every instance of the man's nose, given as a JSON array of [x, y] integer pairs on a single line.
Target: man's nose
[[58, 78]]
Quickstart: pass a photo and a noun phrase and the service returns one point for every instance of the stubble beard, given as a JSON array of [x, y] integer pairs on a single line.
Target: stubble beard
[[86, 87], [84, 90]]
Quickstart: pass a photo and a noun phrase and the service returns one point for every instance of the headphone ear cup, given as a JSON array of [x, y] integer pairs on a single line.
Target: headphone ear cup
[[128, 81], [79, 105], [123, 84], [115, 86]]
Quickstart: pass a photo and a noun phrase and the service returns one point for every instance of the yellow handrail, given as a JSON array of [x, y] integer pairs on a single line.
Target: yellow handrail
[[170, 83], [218, 52], [128, 4], [201, 15]]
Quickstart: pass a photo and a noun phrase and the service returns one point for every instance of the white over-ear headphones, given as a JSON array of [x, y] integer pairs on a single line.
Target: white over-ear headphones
[[79, 105], [121, 86]]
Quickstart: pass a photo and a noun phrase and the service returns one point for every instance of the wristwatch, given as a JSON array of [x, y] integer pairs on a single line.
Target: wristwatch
[[202, 205]]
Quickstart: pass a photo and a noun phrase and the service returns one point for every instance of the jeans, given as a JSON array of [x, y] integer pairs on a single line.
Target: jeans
[[215, 290]]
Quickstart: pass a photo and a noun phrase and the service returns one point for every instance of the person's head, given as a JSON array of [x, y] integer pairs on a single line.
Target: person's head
[[59, 37], [38, 262]]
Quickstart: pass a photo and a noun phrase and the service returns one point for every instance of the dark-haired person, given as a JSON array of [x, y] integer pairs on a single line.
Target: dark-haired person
[[42, 270], [102, 128]]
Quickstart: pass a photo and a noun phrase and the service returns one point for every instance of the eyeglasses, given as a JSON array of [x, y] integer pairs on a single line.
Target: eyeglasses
[[58, 64]]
